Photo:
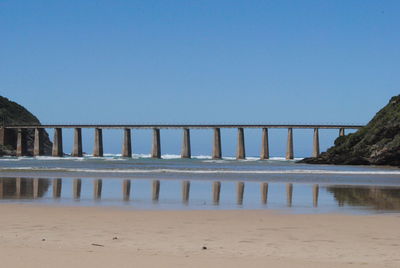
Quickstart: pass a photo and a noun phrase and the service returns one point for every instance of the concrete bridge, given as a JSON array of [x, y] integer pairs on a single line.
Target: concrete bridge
[[57, 149]]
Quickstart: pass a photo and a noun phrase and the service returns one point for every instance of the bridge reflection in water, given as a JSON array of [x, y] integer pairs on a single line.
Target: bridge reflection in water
[[235, 194]]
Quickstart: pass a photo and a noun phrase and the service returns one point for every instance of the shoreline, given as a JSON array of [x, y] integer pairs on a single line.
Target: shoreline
[[46, 236]]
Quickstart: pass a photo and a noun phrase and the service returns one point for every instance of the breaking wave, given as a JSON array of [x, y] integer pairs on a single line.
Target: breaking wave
[[203, 171]]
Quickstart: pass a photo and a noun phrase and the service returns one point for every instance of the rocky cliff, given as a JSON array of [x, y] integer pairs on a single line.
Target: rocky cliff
[[12, 113], [378, 143]]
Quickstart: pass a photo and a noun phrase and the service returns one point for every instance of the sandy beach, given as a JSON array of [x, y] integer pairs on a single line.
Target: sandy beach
[[50, 236]]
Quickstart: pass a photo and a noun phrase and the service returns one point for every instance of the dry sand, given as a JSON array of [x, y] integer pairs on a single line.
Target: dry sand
[[49, 236]]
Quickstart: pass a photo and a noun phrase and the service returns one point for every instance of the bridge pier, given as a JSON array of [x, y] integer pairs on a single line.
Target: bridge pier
[[264, 192], [264, 144], [239, 192], [98, 142], [341, 132], [127, 146], [240, 153], [217, 153], [186, 151], [38, 142], [185, 191], [57, 143], [77, 149], [8, 136], [289, 149], [156, 151], [315, 143], [21, 142]]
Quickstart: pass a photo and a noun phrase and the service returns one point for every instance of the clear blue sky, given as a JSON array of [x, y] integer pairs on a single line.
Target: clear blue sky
[[200, 62]]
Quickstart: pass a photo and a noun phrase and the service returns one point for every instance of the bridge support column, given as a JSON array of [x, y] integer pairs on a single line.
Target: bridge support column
[[186, 152], [316, 143], [185, 191], [98, 142], [127, 146], [240, 192], [289, 150], [341, 132], [264, 192], [57, 143], [217, 153], [156, 151], [264, 144], [77, 149], [38, 142], [21, 142], [240, 152]]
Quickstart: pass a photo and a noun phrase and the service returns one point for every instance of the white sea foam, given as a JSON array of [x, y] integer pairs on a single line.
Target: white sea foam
[[207, 171], [117, 157], [10, 159]]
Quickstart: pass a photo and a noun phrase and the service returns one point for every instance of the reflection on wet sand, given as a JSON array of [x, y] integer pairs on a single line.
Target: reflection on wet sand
[[57, 184], [374, 197], [380, 198], [264, 192], [156, 190], [97, 187], [26, 188], [216, 189], [289, 194], [315, 195], [240, 192], [76, 188], [185, 191], [126, 190]]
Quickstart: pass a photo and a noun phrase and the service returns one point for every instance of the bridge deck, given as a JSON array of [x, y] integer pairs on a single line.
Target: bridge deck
[[192, 126]]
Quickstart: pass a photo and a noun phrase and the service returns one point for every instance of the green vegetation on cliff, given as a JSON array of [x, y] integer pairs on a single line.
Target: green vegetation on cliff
[[14, 114], [378, 143], [11, 113]]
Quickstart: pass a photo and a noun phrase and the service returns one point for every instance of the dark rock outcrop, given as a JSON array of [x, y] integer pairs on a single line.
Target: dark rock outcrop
[[378, 143], [11, 113]]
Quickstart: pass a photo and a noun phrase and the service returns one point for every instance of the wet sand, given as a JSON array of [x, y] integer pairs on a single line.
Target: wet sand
[[52, 236]]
